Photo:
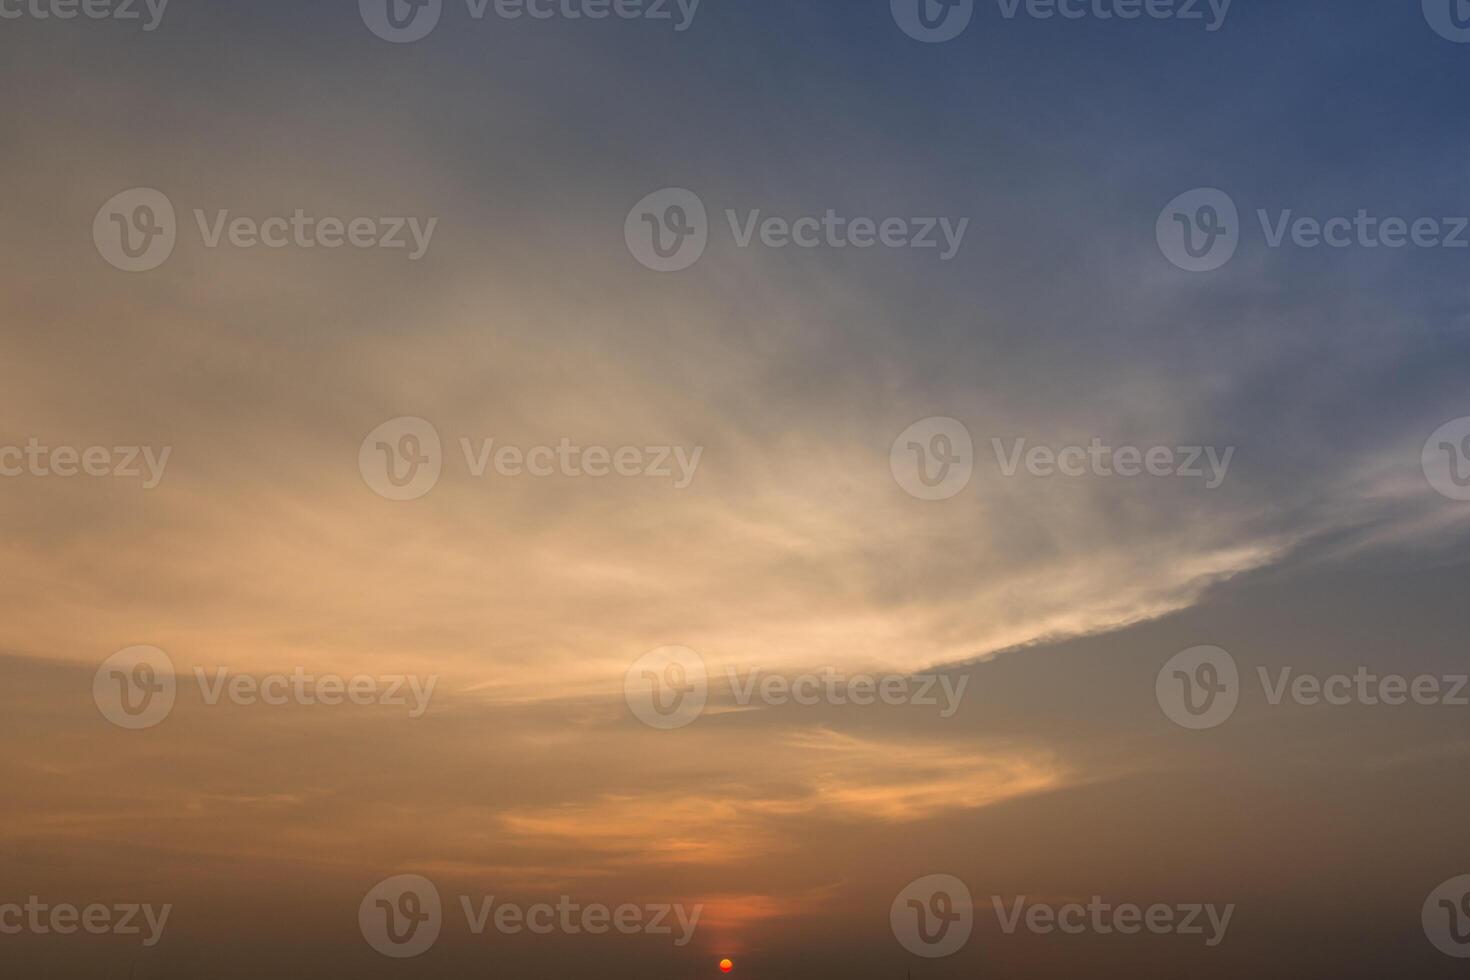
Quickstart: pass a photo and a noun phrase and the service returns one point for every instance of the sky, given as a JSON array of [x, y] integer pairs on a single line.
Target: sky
[[374, 455]]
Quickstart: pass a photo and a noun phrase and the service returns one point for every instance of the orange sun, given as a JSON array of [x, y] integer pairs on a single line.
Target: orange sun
[[726, 966]]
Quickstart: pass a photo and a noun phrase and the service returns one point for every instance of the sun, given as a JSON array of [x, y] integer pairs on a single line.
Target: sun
[[726, 966]]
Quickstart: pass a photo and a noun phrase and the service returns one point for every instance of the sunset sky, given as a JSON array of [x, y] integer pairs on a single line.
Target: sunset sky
[[795, 548]]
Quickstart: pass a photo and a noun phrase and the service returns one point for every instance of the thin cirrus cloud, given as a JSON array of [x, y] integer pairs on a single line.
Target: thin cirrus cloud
[[794, 548], [265, 547]]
